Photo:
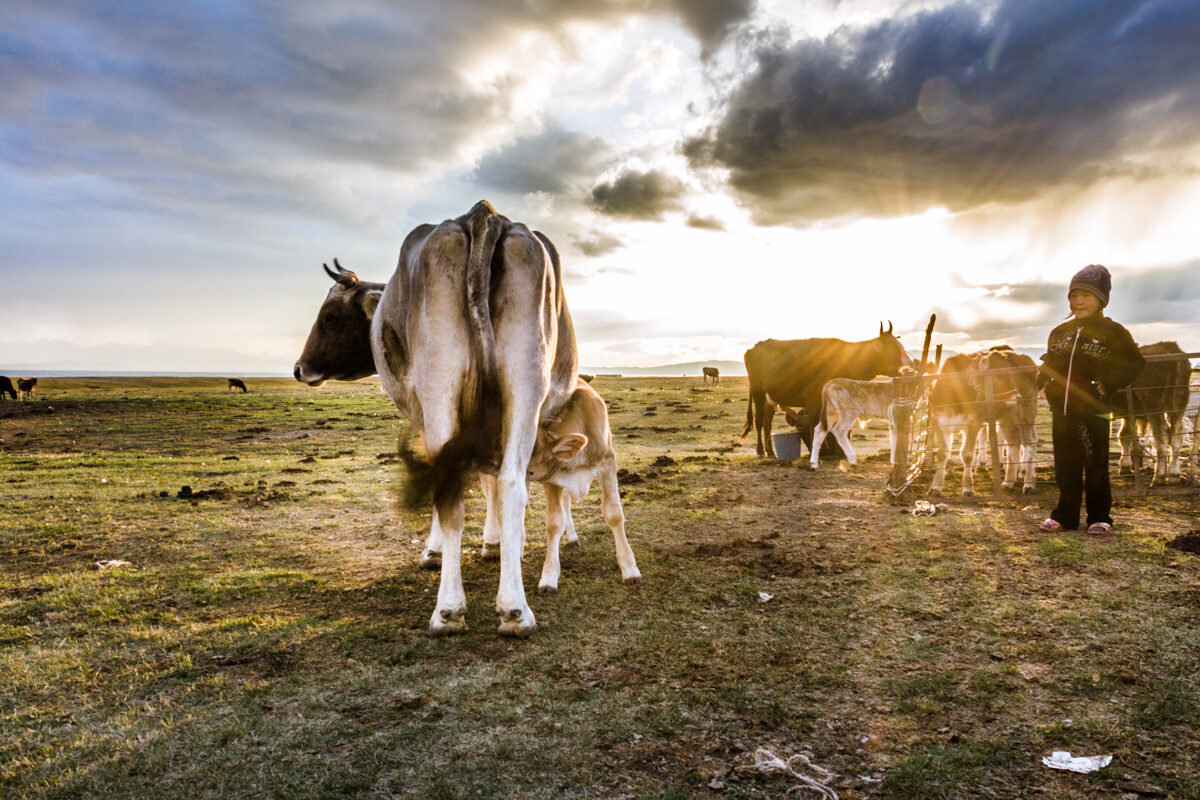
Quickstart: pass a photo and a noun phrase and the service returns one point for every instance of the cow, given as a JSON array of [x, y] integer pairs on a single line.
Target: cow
[[6, 387], [237, 383], [1159, 398], [711, 372], [846, 401], [473, 342], [792, 374], [586, 378], [25, 387], [572, 450], [958, 402], [1014, 394]]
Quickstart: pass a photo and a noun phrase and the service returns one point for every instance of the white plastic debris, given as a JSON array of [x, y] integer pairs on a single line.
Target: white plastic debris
[[764, 597], [923, 508], [767, 762], [1061, 759], [112, 564]]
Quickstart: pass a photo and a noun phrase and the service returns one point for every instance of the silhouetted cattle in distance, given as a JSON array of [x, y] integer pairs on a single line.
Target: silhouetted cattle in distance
[[25, 386], [237, 383], [711, 372], [6, 387]]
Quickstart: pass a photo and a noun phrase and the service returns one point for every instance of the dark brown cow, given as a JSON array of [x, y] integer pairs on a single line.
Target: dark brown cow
[[711, 372], [791, 374], [237, 383], [25, 386], [1160, 398], [6, 387]]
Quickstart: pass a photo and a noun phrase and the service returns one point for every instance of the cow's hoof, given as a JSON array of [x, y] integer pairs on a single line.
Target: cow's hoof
[[1008, 487], [448, 623], [571, 542], [431, 560], [636, 580], [1028, 490], [517, 622], [547, 589], [490, 553], [968, 493]]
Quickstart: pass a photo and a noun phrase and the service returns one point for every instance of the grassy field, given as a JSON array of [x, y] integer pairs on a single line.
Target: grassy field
[[267, 638]]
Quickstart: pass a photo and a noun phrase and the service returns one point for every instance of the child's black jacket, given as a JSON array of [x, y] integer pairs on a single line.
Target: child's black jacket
[[1099, 355]]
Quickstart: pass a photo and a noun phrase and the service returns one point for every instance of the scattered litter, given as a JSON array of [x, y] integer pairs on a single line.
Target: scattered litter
[[923, 508], [763, 597], [1061, 759], [112, 564], [766, 761]]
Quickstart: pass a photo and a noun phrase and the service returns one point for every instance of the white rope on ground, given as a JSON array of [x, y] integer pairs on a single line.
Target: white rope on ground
[[766, 761]]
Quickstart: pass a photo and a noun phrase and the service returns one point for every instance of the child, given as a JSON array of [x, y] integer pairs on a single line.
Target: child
[[1088, 359]]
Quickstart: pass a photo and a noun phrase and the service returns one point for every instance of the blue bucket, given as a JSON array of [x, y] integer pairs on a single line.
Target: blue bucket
[[787, 445]]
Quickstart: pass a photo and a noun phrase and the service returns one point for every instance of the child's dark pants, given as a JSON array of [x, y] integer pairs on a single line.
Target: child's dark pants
[[1081, 468]]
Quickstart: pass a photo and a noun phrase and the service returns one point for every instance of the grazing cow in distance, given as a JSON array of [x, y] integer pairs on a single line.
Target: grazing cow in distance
[[473, 342], [25, 386], [793, 373], [572, 450], [237, 383], [846, 401], [1160, 398], [711, 372], [6, 387]]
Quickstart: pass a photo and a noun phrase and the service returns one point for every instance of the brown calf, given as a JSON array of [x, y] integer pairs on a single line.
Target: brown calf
[[573, 449]]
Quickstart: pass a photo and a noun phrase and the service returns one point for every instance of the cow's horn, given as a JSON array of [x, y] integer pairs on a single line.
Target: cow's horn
[[889, 321], [881, 327], [345, 277]]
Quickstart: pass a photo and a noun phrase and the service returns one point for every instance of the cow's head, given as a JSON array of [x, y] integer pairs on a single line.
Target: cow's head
[[892, 355], [339, 345], [554, 451]]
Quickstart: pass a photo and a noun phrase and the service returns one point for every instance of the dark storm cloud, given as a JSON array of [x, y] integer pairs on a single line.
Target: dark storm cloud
[[254, 104], [955, 108], [638, 195], [555, 161]]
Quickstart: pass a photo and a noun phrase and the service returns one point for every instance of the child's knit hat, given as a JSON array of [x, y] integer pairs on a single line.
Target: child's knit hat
[[1093, 278]]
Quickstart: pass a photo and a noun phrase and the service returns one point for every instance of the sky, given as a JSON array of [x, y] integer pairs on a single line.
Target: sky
[[713, 172]]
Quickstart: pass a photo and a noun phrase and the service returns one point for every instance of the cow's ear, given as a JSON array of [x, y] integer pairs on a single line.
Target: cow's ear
[[568, 446], [370, 302]]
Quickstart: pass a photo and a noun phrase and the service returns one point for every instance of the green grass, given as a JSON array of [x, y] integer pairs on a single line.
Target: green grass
[[268, 637]]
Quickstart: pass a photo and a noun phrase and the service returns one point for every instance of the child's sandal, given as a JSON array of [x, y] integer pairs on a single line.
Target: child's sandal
[[1100, 529], [1051, 526]]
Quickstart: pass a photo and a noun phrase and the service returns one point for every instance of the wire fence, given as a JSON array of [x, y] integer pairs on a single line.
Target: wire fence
[[1157, 459]]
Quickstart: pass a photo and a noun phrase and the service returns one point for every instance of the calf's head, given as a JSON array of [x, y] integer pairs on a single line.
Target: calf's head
[[339, 345], [553, 451]]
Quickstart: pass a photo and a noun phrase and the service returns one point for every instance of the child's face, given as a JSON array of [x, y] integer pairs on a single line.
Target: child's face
[[1084, 304]]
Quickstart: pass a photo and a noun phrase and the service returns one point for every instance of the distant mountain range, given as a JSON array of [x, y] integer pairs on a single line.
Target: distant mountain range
[[688, 369]]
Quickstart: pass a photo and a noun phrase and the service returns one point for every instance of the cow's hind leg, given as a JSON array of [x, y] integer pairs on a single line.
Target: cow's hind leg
[[968, 462], [431, 556], [450, 615], [570, 536], [491, 524], [841, 432]]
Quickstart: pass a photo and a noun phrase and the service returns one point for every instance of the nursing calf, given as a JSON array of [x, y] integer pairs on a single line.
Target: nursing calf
[[572, 450]]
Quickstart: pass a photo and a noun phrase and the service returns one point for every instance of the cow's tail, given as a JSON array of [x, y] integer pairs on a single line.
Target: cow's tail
[[749, 416], [477, 443]]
